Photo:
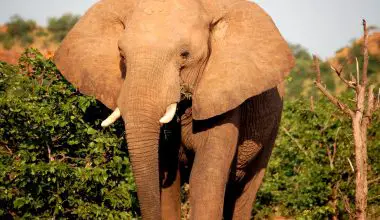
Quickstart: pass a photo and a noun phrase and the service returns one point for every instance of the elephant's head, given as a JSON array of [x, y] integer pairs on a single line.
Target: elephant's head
[[134, 55]]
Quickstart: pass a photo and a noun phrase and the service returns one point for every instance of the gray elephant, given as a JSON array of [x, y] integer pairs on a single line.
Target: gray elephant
[[135, 56]]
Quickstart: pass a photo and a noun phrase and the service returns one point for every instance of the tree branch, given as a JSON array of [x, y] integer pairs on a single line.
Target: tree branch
[[365, 54], [332, 98], [370, 102], [312, 103], [350, 84], [346, 202], [373, 180], [51, 158], [377, 101], [357, 71], [352, 167]]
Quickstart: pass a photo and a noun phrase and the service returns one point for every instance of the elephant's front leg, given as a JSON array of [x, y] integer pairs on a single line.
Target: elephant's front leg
[[171, 199], [211, 167], [169, 172]]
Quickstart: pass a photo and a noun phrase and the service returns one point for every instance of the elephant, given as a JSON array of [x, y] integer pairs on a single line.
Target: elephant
[[136, 56]]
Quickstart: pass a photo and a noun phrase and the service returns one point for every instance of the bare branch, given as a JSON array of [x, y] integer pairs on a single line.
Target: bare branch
[[51, 158], [346, 202], [353, 79], [350, 84], [357, 70], [365, 54], [374, 197], [374, 180], [352, 167], [334, 100], [377, 105], [370, 102], [6, 146], [312, 103]]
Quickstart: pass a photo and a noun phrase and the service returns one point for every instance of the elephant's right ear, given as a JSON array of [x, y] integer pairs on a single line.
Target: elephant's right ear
[[248, 57], [89, 56]]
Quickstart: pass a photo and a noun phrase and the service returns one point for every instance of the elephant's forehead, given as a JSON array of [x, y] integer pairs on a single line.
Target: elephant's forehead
[[168, 11], [163, 20]]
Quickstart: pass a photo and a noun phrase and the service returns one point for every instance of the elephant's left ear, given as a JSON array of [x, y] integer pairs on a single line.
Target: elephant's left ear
[[248, 56]]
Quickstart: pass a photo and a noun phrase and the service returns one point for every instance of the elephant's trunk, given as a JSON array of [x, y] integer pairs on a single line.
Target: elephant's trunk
[[143, 150], [143, 131], [142, 102]]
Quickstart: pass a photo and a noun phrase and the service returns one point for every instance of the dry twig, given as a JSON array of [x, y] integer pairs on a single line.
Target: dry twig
[[311, 103], [365, 54], [339, 73]]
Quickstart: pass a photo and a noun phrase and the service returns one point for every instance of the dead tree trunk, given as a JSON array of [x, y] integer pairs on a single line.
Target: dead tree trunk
[[365, 105]]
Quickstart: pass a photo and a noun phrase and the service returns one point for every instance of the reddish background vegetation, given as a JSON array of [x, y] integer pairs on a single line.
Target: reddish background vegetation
[[12, 55]]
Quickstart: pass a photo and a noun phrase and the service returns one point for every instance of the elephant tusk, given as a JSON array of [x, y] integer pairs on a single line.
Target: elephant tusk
[[112, 118], [169, 114]]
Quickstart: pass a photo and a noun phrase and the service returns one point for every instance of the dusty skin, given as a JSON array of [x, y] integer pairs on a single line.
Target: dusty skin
[[136, 56]]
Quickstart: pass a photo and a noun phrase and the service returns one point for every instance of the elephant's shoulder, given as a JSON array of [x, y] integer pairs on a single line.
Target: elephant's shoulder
[[265, 104]]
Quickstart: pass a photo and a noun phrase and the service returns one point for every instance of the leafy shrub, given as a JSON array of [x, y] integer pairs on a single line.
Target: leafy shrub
[[300, 181], [61, 26], [55, 159]]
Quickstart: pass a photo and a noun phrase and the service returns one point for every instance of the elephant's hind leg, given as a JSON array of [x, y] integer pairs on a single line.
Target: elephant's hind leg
[[239, 201], [242, 192]]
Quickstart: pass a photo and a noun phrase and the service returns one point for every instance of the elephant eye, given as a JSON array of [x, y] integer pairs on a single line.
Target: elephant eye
[[185, 54]]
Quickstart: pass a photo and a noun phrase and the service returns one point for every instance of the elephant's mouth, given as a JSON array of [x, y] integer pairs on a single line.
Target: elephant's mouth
[[166, 118], [186, 94]]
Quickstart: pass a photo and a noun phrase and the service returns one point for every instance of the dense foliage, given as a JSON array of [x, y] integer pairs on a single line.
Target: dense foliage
[[305, 178], [55, 160]]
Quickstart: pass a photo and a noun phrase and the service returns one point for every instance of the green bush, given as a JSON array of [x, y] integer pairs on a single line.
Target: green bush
[[55, 159], [61, 26], [300, 179]]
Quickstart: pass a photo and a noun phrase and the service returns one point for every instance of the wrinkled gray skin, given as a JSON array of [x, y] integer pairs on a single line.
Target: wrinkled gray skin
[[135, 55]]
